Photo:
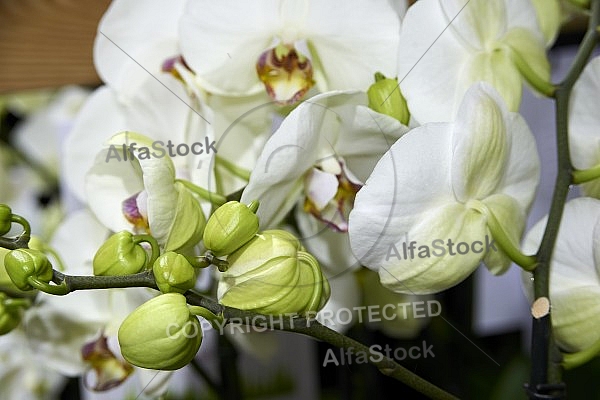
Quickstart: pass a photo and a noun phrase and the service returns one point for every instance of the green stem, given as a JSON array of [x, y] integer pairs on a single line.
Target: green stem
[[546, 360], [215, 320], [585, 175], [74, 282], [208, 257], [24, 223], [45, 175], [532, 77], [21, 242], [58, 290], [214, 198], [234, 169], [155, 249], [528, 263]]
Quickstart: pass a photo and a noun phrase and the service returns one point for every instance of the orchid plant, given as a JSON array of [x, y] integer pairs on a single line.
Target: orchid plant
[[300, 158]]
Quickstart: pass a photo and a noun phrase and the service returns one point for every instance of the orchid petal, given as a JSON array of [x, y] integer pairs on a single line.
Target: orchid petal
[[480, 144], [122, 50], [400, 191], [90, 129], [584, 118]]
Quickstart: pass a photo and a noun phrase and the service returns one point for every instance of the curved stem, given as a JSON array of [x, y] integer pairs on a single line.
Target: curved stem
[[532, 77], [215, 320], [214, 198], [153, 245], [234, 169], [58, 290], [528, 263], [24, 223], [586, 175]]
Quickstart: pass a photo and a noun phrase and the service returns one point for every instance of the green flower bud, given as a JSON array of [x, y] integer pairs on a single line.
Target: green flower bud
[[10, 317], [230, 227], [6, 284], [119, 255], [5, 219], [272, 274], [22, 264], [385, 98], [174, 273], [161, 334]]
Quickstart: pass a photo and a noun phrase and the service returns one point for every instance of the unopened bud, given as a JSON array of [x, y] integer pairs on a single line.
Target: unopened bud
[[272, 274], [230, 227], [174, 273], [161, 334], [385, 98], [119, 255], [23, 264], [5, 219]]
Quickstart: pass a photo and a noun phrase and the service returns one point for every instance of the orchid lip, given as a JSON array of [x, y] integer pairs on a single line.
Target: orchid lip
[[109, 370], [134, 211], [330, 195], [286, 73]]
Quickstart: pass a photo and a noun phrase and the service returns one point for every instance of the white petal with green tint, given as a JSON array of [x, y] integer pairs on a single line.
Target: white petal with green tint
[[480, 144]]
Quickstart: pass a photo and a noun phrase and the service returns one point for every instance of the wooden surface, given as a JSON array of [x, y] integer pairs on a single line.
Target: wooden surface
[[47, 43]]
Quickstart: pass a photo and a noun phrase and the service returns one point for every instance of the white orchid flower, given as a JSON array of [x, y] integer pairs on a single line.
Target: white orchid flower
[[584, 119], [437, 187], [321, 153], [236, 48], [131, 34], [574, 278], [139, 41], [497, 41], [123, 192]]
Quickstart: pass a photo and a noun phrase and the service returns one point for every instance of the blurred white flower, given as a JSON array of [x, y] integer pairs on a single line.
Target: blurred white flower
[[24, 373]]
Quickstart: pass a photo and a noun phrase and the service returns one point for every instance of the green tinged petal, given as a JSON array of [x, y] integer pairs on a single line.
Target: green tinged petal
[[481, 147], [189, 222], [498, 69], [549, 17], [230, 227], [529, 56], [512, 218], [272, 274]]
